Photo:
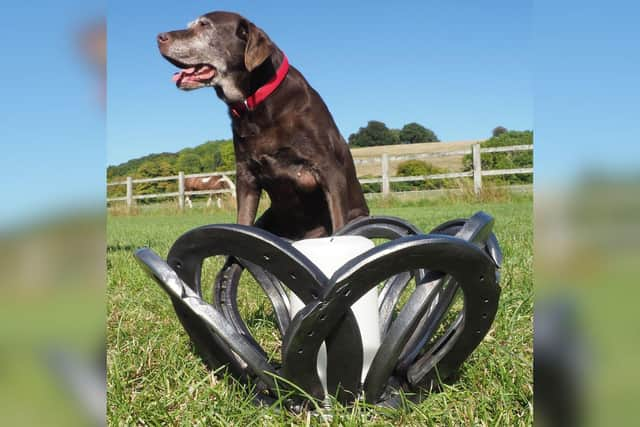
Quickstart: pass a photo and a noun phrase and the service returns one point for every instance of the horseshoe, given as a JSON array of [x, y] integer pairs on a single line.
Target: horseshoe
[[459, 255], [288, 266]]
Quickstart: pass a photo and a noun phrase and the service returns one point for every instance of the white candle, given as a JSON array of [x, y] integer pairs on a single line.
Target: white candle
[[329, 254]]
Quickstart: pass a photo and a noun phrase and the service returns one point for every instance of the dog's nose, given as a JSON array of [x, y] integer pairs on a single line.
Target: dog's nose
[[163, 37]]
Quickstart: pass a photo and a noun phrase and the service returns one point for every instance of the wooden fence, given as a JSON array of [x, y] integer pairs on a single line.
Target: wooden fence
[[180, 194], [385, 179], [476, 173]]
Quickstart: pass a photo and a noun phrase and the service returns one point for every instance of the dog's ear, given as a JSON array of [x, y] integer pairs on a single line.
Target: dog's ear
[[259, 47]]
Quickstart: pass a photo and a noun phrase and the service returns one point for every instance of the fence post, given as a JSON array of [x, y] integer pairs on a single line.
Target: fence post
[[129, 192], [386, 188], [477, 169], [181, 190]]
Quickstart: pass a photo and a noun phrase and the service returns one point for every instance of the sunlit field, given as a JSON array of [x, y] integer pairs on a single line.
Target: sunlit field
[[154, 376]]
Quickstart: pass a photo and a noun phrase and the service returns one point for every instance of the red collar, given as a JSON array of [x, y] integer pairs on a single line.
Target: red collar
[[263, 92]]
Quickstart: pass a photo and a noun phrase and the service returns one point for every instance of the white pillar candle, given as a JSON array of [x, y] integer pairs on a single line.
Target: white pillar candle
[[329, 254]]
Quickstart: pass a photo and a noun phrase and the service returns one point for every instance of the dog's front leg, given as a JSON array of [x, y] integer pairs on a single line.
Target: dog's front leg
[[247, 195], [335, 192]]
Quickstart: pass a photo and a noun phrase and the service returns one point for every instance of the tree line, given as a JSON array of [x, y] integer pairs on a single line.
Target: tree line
[[210, 156], [377, 133], [219, 156], [501, 137]]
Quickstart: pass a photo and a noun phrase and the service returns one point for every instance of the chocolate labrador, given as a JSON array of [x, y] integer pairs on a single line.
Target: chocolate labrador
[[286, 142]]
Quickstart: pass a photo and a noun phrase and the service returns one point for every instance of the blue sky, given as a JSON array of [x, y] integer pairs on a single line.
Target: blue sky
[[459, 68]]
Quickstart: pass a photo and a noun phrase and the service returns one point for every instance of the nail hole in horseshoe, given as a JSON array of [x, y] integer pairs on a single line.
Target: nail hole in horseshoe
[[323, 316], [300, 351], [314, 295], [484, 315], [266, 257], [178, 265], [482, 278], [310, 333], [292, 275]]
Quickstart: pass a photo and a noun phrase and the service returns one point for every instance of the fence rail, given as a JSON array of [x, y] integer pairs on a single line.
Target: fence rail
[[385, 180], [181, 194]]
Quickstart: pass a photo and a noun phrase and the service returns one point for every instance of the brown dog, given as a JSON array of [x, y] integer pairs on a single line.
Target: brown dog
[[285, 139]]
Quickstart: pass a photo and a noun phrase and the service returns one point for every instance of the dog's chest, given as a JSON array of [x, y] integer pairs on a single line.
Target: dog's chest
[[283, 167]]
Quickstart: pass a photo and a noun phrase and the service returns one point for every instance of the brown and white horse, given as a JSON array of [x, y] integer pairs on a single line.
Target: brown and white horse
[[212, 182]]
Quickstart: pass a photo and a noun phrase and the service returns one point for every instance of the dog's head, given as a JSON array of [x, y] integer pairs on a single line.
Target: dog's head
[[218, 49]]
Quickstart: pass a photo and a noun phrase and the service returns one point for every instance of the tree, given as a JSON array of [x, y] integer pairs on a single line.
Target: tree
[[396, 136], [375, 133], [421, 168], [189, 162], [506, 160], [152, 169], [413, 133], [225, 157], [499, 131], [209, 154]]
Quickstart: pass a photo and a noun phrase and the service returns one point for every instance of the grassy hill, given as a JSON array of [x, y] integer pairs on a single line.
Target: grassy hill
[[450, 163], [210, 156], [130, 167], [219, 156], [207, 154]]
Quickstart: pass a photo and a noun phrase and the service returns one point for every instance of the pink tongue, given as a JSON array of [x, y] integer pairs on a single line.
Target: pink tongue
[[206, 73], [179, 75]]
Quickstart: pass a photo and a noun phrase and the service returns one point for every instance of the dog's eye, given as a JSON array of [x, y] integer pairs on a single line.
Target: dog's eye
[[204, 23], [243, 30]]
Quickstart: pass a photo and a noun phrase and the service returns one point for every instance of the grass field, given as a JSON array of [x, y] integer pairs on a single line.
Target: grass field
[[154, 377]]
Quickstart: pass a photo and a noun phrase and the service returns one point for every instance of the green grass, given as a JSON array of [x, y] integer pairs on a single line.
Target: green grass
[[155, 378]]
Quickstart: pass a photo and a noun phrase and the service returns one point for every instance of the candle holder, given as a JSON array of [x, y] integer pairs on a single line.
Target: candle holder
[[448, 312]]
